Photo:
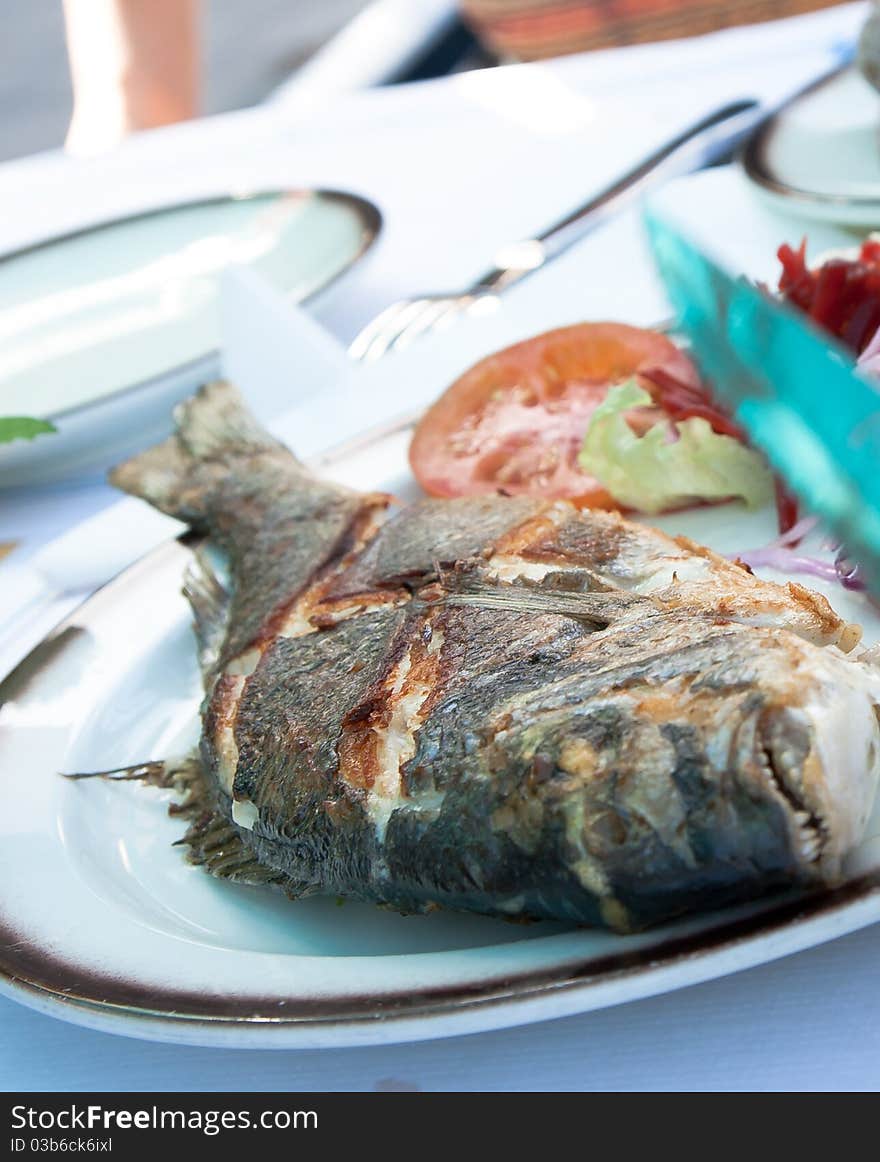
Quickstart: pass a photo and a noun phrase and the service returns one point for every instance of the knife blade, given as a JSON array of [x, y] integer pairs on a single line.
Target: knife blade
[[792, 387]]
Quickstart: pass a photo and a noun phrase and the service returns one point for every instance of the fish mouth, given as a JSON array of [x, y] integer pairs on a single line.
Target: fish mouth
[[783, 750]]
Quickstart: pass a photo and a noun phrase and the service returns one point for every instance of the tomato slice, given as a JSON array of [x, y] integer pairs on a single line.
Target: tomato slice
[[515, 422]]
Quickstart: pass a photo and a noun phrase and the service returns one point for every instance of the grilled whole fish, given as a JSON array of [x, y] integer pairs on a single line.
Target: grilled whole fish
[[501, 704]]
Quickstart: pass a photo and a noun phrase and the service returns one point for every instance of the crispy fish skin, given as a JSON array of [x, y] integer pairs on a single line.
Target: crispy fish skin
[[505, 705]]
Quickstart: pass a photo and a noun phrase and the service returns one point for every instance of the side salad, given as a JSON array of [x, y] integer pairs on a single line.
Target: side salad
[[612, 416], [603, 414]]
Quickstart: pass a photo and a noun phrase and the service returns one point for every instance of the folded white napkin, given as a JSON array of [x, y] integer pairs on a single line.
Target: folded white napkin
[[272, 350]]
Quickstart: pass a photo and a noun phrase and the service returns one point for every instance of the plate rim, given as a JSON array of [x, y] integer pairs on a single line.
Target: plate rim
[[754, 157], [366, 212], [37, 978]]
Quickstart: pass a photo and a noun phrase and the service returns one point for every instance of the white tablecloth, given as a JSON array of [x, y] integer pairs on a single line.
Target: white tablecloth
[[458, 167]]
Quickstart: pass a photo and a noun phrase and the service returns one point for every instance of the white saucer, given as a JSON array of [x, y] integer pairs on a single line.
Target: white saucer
[[820, 155]]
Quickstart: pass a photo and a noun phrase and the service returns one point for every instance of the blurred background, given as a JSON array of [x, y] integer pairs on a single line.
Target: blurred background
[[237, 52], [35, 90]]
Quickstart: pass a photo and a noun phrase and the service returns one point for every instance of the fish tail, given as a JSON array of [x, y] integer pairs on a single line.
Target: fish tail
[[210, 840], [275, 524], [183, 475]]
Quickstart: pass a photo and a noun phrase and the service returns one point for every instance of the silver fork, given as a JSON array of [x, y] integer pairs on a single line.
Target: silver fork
[[402, 322]]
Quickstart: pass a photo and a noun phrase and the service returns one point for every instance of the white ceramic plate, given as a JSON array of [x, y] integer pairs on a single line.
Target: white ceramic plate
[[102, 331], [103, 923], [820, 155]]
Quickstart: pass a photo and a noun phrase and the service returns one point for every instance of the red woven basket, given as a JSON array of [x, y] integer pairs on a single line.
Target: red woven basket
[[535, 29]]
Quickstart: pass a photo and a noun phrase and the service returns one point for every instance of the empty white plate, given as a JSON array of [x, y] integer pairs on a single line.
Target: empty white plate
[[102, 331], [820, 155]]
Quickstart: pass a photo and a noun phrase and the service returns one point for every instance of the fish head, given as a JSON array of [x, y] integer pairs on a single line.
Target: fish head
[[708, 772]]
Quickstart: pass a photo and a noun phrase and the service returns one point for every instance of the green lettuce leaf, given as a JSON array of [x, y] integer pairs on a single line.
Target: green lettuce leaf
[[22, 428], [651, 473]]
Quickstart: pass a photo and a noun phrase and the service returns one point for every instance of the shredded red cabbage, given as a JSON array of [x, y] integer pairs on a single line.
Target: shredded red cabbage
[[793, 535], [842, 295], [786, 509], [787, 561], [779, 554]]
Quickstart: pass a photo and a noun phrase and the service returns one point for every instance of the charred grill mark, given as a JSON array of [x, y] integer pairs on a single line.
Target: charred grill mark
[[415, 679], [359, 745], [589, 539], [288, 738], [543, 524], [358, 754], [487, 660], [219, 727], [354, 538], [272, 562], [514, 557], [379, 735], [409, 701], [409, 548], [327, 613]]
